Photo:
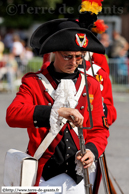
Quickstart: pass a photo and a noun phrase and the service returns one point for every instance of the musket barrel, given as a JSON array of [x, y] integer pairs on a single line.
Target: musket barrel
[[88, 188]]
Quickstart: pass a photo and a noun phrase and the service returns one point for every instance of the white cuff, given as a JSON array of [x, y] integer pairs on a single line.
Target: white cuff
[[79, 166], [55, 121]]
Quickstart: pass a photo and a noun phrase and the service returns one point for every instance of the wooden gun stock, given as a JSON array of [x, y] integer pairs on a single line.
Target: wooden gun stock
[[112, 187], [108, 185]]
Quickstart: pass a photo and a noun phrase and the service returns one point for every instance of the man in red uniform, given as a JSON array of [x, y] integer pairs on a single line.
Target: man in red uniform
[[101, 71], [54, 99]]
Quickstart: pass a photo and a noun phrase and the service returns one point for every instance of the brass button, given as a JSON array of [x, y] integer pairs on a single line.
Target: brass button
[[82, 107], [84, 94]]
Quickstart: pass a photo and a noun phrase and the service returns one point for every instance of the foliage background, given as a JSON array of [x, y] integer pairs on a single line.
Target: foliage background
[[29, 11]]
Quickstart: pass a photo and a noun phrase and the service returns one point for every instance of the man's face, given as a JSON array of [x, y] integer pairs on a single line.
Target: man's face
[[67, 61]]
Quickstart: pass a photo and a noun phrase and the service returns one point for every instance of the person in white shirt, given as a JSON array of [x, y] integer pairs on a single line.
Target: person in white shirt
[[17, 50]]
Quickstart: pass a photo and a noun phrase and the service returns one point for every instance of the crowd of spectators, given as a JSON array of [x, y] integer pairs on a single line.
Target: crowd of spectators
[[14, 56], [118, 50]]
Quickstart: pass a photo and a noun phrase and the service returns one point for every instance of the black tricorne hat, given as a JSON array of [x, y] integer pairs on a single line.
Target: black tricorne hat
[[64, 35]]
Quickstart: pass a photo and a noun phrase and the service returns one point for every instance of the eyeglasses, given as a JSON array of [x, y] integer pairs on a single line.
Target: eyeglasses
[[69, 57]]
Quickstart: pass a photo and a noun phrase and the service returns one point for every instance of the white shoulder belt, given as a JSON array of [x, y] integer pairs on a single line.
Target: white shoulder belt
[[51, 90], [96, 68]]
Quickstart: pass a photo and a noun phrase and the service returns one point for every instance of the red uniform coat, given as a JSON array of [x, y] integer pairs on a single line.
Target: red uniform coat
[[46, 60], [106, 91], [101, 60], [32, 93]]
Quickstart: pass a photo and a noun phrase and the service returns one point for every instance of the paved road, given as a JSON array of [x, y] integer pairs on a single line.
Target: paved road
[[117, 151]]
